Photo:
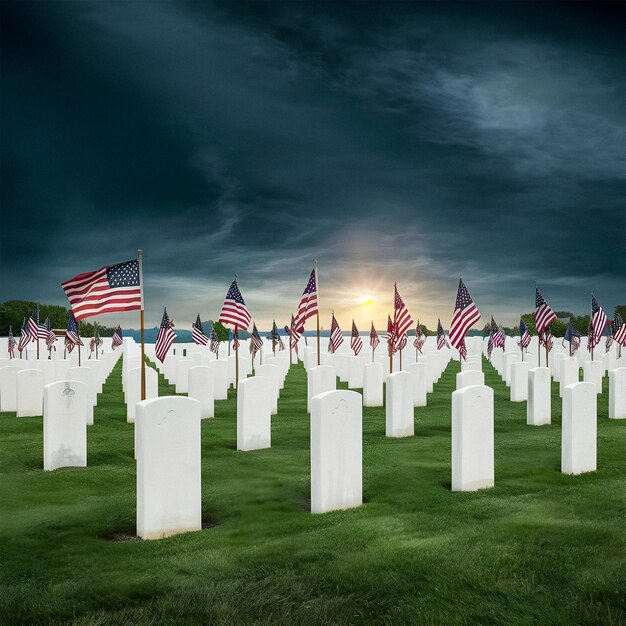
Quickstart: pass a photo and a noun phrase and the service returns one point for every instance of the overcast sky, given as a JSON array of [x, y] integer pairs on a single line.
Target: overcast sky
[[393, 142]]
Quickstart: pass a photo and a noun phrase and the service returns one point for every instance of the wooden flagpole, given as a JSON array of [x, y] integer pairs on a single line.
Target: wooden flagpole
[[95, 338], [547, 351], [78, 330], [38, 332], [141, 320], [317, 287], [236, 342]]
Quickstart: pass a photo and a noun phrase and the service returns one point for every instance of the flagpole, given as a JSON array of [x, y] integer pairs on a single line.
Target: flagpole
[[95, 337], [236, 343], [141, 320], [317, 287], [78, 330], [38, 332]]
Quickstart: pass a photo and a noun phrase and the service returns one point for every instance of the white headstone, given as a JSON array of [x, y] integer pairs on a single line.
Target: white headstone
[[399, 409], [220, 379], [473, 362], [519, 381], [8, 392], [336, 451], [509, 359], [182, 375], [539, 407], [168, 467], [578, 443], [133, 389], [418, 383], [593, 372], [29, 397], [64, 426], [555, 364], [320, 378], [469, 378], [569, 373], [201, 389], [617, 393], [355, 372], [373, 384], [85, 375], [271, 373], [254, 419], [472, 438]]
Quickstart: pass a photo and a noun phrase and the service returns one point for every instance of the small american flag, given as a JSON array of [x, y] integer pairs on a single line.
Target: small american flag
[[374, 340], [197, 333], [619, 329], [107, 290], [165, 337], [35, 329], [72, 337], [544, 315], [308, 303], [489, 346], [294, 334], [401, 343], [117, 340], [420, 339], [234, 310], [11, 343], [50, 336], [275, 336], [573, 336], [441, 337], [255, 341], [466, 314], [499, 338], [214, 346], [524, 341], [609, 338], [389, 335], [236, 343], [402, 320], [598, 322], [336, 338], [547, 339], [356, 343], [25, 337]]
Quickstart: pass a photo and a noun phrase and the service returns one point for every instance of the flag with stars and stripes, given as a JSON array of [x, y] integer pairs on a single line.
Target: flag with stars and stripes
[[609, 336], [234, 310], [72, 338], [374, 340], [255, 341], [116, 340], [11, 343], [547, 339], [544, 315], [276, 338], [420, 338], [197, 332], [401, 343], [388, 336], [293, 335], [441, 337], [489, 346], [235, 337], [25, 337], [524, 335], [35, 328], [308, 306], [402, 320], [50, 336], [107, 290], [465, 315], [598, 322], [356, 343], [214, 346], [165, 337], [336, 338], [619, 329], [573, 336]]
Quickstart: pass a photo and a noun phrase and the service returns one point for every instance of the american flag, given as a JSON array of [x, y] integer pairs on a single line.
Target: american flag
[[490, 346], [374, 340], [544, 315], [573, 336], [165, 338], [402, 320], [35, 329], [117, 340], [356, 343], [609, 337], [336, 338], [72, 337], [420, 338], [465, 316], [11, 343], [441, 337], [308, 303], [255, 341], [293, 335], [197, 332], [499, 338], [236, 343], [547, 339], [95, 342], [107, 290], [25, 337], [214, 346], [524, 341], [619, 329], [50, 336], [598, 322], [389, 335], [275, 337], [401, 343], [234, 309]]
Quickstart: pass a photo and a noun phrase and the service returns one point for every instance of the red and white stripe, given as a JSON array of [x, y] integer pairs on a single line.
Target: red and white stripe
[[465, 315], [336, 338], [402, 320], [356, 343]]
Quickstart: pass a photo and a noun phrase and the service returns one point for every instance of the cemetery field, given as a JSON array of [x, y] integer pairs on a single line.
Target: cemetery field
[[539, 548]]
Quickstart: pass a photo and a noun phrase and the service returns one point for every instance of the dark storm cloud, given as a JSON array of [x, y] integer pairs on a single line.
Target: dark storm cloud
[[415, 142]]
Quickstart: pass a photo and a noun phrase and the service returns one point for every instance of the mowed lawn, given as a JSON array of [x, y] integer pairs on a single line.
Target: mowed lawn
[[539, 548]]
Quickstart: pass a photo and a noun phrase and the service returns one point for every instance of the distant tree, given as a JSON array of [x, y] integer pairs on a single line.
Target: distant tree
[[221, 331], [563, 314]]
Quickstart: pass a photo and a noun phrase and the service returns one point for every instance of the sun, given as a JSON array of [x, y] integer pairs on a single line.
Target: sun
[[366, 300]]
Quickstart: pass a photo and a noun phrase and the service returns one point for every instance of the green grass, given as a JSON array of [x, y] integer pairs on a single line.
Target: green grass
[[539, 548]]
